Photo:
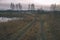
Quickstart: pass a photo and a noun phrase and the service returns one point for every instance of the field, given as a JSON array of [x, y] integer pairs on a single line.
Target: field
[[34, 26]]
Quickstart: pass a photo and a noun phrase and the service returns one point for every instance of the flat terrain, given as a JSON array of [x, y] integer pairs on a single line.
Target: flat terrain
[[32, 27]]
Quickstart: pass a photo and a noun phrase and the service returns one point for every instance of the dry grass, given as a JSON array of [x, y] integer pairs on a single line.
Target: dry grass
[[31, 34]]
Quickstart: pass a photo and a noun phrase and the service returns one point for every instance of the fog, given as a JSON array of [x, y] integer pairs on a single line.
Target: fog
[[43, 2], [24, 7]]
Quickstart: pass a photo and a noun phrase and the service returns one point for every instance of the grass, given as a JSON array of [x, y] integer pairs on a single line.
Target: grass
[[50, 26]]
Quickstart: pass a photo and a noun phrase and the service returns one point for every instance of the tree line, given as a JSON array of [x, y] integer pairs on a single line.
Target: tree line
[[19, 6]]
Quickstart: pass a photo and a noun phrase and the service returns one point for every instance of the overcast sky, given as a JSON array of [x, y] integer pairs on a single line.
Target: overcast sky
[[44, 2]]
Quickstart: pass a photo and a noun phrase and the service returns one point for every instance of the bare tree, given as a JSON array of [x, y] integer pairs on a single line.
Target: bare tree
[[20, 6], [29, 6], [17, 7], [32, 7], [12, 6], [53, 7]]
